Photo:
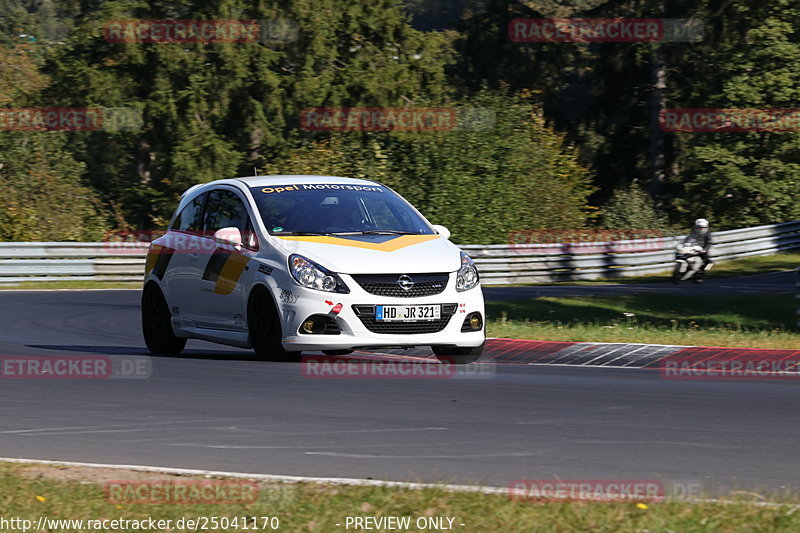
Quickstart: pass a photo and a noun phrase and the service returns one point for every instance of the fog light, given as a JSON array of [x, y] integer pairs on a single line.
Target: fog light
[[319, 325], [473, 322]]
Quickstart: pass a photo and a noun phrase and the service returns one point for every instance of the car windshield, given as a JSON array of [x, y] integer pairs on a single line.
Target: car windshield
[[336, 209]]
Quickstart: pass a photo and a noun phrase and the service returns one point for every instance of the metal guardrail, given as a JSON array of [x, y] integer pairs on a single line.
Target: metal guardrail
[[499, 264], [537, 263], [59, 261]]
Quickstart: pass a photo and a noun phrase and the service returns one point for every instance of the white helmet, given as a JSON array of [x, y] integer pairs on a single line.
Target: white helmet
[[701, 223]]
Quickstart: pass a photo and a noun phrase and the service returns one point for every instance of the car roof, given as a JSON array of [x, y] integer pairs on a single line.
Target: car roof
[[289, 179]]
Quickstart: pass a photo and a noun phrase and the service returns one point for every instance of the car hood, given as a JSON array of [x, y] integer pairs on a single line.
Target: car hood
[[377, 254]]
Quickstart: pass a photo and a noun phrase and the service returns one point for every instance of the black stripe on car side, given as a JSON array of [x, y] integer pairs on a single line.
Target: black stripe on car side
[[215, 264], [162, 262]]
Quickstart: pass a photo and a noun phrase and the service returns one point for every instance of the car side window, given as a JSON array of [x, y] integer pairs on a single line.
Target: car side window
[[225, 209], [190, 217]]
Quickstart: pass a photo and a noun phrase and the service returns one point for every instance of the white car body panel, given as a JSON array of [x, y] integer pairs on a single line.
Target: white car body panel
[[435, 255], [202, 309]]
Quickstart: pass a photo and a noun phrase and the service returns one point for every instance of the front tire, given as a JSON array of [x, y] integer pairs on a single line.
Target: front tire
[[157, 323], [265, 330], [456, 355]]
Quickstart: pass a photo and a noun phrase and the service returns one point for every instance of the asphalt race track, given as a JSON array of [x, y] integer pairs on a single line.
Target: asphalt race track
[[217, 408]]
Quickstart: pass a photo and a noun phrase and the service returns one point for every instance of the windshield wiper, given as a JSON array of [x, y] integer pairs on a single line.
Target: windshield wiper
[[376, 232]]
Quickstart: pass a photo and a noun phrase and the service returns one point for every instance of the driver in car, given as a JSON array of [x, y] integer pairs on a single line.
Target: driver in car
[[334, 216]]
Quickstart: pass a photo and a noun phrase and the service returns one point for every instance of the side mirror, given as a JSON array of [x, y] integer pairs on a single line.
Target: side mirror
[[230, 236], [441, 230]]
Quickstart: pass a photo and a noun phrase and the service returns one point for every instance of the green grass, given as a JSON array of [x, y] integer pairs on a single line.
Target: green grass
[[318, 508], [749, 321], [75, 284]]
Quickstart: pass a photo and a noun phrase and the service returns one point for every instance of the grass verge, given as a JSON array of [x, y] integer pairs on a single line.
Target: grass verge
[[308, 507], [748, 321]]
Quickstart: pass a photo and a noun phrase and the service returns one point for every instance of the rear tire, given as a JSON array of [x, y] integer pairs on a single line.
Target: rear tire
[[264, 326], [157, 323], [456, 355]]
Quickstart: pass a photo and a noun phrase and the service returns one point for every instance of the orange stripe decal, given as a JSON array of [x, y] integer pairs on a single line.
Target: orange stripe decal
[[230, 274], [152, 255], [403, 241]]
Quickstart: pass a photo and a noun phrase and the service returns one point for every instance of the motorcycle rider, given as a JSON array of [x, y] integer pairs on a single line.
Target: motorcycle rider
[[700, 235]]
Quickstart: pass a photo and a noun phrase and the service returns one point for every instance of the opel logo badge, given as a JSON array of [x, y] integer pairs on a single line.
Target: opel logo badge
[[405, 282]]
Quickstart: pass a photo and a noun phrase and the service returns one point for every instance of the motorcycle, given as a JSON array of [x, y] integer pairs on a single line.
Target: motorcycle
[[688, 262]]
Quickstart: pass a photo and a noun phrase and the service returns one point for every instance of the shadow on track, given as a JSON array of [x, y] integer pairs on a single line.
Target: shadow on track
[[214, 355]]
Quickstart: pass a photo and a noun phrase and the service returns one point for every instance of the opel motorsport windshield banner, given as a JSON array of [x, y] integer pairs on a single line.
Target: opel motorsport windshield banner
[[277, 189]]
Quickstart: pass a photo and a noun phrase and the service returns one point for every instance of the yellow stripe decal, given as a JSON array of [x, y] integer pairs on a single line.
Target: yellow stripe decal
[[152, 255], [391, 245], [230, 274]]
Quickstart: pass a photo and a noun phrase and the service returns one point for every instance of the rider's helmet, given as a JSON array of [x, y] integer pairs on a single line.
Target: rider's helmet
[[701, 224]]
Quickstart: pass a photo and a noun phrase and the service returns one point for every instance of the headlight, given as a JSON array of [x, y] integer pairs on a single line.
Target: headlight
[[309, 274], [467, 277]]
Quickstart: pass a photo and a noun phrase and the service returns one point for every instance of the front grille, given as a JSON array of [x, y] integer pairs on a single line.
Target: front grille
[[388, 284], [366, 313], [405, 328]]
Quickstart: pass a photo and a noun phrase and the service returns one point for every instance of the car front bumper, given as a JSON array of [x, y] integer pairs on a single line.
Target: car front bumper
[[358, 330]]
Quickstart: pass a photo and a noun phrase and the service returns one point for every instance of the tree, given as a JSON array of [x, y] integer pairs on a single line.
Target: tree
[[40, 182], [604, 95], [20, 79], [43, 197], [217, 110], [743, 178], [630, 208], [514, 175]]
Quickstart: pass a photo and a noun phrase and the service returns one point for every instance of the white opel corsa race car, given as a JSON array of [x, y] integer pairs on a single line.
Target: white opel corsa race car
[[283, 264]]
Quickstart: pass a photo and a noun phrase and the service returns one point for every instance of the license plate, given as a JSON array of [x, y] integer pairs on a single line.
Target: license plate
[[407, 313]]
